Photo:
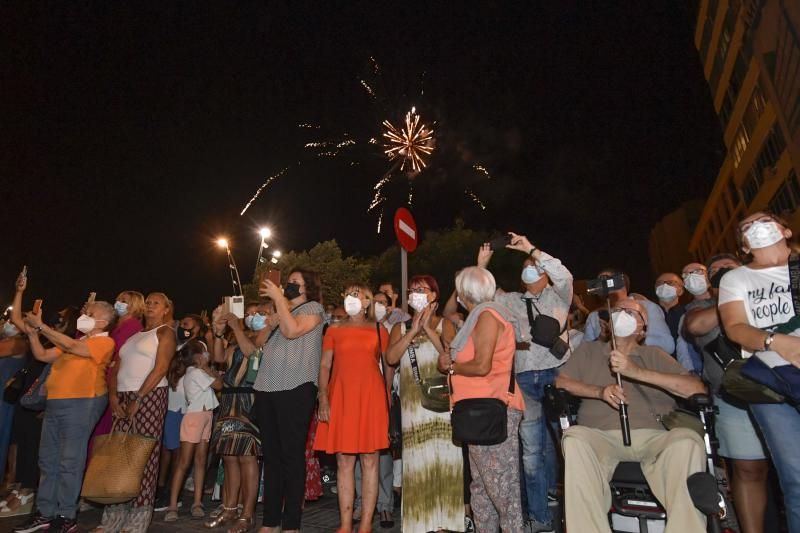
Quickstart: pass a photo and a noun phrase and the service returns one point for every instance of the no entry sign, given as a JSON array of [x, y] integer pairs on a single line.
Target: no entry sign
[[406, 229]]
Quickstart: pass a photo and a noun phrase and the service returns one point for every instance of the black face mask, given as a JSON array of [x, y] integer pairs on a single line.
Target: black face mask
[[291, 291], [716, 278], [183, 334]]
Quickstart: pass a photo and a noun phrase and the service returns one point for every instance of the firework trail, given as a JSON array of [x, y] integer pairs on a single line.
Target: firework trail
[[263, 186]]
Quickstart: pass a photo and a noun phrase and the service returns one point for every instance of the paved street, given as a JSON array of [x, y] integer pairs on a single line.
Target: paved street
[[321, 516]]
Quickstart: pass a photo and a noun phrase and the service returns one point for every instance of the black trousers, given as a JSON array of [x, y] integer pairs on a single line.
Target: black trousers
[[26, 435], [283, 418]]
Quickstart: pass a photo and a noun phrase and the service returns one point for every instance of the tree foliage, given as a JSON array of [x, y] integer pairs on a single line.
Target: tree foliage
[[326, 258]]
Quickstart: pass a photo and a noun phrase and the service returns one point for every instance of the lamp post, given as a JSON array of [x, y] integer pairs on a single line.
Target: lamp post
[[265, 233], [235, 281]]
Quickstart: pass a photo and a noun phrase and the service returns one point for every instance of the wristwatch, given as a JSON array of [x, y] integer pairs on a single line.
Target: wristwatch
[[450, 369], [768, 341], [532, 250]]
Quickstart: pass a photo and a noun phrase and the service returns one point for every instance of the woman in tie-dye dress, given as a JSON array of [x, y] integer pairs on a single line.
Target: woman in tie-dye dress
[[433, 486]]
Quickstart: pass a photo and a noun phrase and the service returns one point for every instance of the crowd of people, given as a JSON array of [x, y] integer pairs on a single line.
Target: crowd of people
[[444, 406]]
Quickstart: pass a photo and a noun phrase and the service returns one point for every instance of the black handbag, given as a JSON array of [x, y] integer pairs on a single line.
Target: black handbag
[[481, 421], [35, 398], [546, 331], [15, 386]]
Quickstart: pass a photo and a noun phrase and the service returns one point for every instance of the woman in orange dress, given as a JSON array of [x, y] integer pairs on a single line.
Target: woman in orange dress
[[353, 403]]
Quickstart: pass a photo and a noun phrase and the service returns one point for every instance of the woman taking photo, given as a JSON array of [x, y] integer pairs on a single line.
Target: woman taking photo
[[236, 437], [138, 391], [753, 300], [353, 403], [433, 494], [286, 390], [76, 397], [482, 367]]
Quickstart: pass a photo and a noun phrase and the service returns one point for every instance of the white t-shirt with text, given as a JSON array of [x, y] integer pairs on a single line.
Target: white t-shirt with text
[[767, 297]]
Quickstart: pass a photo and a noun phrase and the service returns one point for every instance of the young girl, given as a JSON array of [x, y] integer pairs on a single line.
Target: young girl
[[199, 383]]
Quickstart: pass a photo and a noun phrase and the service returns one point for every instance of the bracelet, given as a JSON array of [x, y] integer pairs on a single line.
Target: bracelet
[[451, 370], [219, 336], [532, 250], [38, 329], [768, 341]]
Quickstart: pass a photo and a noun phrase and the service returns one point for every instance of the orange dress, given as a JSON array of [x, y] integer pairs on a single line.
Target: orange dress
[[359, 417]]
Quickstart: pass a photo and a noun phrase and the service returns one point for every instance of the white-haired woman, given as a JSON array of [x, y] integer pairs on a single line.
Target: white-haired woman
[[481, 366]]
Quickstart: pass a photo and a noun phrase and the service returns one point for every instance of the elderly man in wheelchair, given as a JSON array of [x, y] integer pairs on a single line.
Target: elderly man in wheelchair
[[594, 448]]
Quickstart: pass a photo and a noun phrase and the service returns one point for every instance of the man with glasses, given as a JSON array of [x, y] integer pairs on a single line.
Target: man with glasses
[[695, 279], [669, 289], [592, 449]]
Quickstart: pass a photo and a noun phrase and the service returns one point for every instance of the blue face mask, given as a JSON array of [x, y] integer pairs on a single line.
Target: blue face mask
[[530, 275], [121, 308], [258, 322]]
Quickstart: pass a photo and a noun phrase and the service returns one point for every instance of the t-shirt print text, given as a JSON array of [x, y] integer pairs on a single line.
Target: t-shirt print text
[[772, 302]]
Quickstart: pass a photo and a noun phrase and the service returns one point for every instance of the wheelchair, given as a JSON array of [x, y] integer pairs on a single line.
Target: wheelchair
[[634, 507]]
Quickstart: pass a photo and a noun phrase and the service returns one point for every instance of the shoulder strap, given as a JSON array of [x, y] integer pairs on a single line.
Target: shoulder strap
[[380, 351], [794, 278]]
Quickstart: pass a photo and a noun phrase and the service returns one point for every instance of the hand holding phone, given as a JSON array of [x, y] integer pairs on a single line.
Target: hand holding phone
[[498, 243], [37, 307], [22, 279]]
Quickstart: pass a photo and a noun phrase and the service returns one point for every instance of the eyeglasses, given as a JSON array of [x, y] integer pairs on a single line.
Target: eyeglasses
[[419, 290], [746, 226], [355, 294], [630, 312]]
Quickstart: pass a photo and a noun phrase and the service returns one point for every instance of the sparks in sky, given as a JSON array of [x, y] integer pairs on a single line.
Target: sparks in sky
[[412, 144], [474, 198], [263, 186], [482, 170]]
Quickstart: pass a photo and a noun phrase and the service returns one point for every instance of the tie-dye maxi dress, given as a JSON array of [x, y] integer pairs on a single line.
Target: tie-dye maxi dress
[[433, 483]]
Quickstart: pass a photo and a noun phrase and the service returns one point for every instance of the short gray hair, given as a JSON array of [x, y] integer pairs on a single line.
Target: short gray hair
[[476, 284], [106, 312]]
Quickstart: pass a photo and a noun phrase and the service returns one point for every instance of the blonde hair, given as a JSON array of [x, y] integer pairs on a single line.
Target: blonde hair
[[367, 292], [136, 303]]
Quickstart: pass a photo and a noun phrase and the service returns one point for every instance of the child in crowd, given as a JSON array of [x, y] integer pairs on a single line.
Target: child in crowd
[[199, 383], [171, 439]]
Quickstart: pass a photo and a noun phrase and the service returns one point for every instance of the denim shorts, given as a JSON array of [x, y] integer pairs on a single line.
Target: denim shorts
[[172, 430], [737, 435]]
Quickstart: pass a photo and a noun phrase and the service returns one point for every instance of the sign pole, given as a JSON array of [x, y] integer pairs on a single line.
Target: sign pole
[[404, 279]]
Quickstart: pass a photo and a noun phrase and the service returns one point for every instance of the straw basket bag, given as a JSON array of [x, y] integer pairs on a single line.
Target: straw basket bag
[[117, 465]]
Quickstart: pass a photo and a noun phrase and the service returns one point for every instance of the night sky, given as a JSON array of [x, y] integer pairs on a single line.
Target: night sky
[[133, 134]]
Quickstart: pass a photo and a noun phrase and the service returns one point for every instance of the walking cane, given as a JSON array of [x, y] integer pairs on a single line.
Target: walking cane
[[623, 407]]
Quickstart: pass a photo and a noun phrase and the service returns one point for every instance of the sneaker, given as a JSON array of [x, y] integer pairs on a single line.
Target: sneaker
[[162, 503], [534, 526], [469, 524], [37, 523], [63, 524]]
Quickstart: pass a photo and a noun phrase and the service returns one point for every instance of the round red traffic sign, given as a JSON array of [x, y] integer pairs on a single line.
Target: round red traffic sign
[[406, 229]]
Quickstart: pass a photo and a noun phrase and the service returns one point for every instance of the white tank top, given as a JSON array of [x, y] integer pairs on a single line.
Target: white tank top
[[137, 359]]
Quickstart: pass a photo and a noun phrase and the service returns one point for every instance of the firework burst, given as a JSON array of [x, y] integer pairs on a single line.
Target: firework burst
[[263, 186], [411, 144]]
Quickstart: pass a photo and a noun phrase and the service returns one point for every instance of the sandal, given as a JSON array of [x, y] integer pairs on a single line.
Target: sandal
[[13, 495], [386, 520], [227, 515], [23, 506], [198, 511], [242, 525], [171, 516]]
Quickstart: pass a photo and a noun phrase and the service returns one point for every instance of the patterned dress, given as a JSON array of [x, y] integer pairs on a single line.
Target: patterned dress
[[234, 431], [433, 471]]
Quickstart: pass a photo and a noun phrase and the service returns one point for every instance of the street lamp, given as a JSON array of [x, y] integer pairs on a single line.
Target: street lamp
[[275, 256], [265, 233], [235, 281]]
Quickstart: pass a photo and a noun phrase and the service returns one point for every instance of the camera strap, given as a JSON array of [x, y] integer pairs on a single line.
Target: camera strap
[[412, 357]]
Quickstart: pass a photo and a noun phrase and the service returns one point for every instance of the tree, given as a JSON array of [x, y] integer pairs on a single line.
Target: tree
[[336, 271]]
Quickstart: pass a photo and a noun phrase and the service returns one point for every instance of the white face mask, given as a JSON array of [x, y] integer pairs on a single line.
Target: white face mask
[[380, 311], [86, 323], [624, 324], [418, 301], [530, 275], [352, 305], [10, 330], [696, 284], [666, 292], [763, 234]]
